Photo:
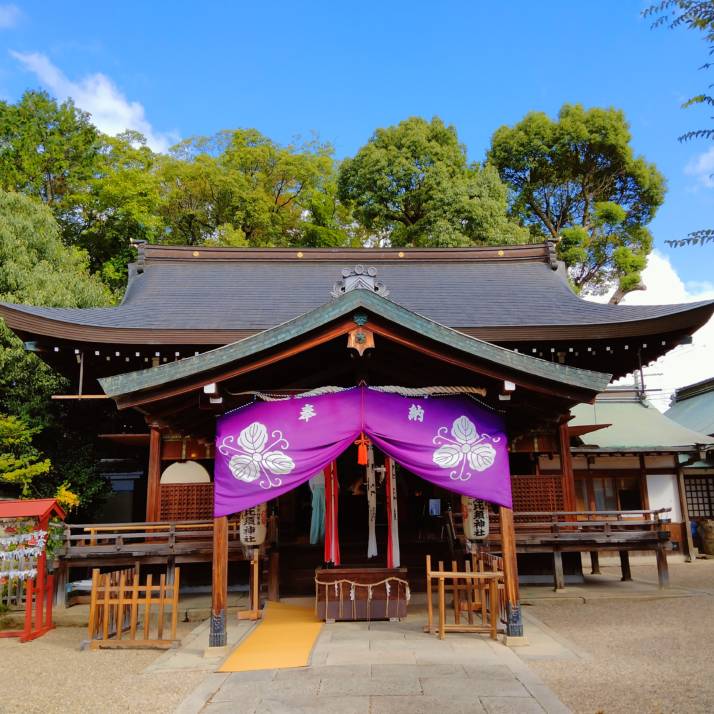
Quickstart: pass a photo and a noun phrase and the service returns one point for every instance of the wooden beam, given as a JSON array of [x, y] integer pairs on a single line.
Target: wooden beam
[[514, 626], [218, 636], [153, 488], [197, 382]]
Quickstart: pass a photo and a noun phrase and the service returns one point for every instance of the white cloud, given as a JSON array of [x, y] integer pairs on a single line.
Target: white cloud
[[702, 168], [685, 364], [9, 16], [97, 94]]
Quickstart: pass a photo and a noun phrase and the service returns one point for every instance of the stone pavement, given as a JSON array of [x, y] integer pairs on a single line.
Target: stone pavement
[[387, 667]]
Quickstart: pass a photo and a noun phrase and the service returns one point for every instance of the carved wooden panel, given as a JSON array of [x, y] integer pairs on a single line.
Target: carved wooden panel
[[186, 501]]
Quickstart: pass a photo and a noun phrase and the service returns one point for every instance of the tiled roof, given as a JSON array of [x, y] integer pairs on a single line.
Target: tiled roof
[[694, 407], [255, 290]]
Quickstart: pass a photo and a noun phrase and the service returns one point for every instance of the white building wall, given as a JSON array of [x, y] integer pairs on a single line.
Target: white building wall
[[662, 493]]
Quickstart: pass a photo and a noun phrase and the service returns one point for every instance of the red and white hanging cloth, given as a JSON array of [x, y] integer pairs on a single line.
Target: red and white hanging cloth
[[332, 538], [393, 557]]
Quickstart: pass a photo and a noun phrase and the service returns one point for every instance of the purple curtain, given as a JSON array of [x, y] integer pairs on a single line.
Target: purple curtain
[[268, 448]]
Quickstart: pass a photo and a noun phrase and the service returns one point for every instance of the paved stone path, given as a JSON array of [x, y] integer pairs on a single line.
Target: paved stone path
[[385, 667]]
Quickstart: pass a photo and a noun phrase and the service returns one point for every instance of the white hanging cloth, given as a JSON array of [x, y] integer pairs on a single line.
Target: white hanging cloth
[[371, 504]]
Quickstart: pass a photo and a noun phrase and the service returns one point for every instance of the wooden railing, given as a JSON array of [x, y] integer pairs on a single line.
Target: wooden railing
[[592, 526], [84, 540]]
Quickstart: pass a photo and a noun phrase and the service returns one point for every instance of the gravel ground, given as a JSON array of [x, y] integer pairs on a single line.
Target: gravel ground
[[649, 657], [51, 674]]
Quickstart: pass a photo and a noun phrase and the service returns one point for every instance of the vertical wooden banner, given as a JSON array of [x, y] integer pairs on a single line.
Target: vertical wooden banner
[[393, 555], [218, 636], [514, 621]]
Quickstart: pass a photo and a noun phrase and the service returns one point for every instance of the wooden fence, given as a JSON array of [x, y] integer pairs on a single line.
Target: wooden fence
[[123, 612]]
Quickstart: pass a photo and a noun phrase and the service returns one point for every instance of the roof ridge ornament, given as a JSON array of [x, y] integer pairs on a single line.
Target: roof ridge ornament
[[359, 278], [140, 245]]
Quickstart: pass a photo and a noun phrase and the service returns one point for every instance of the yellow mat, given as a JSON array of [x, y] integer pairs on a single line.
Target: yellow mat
[[283, 638]]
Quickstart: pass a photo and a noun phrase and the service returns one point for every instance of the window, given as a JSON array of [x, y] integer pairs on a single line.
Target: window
[[700, 497], [608, 493]]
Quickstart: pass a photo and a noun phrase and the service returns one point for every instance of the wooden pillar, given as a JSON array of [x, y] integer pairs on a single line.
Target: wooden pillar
[[558, 577], [688, 540], [153, 475], [662, 567], [274, 576], [594, 562], [218, 636], [514, 626], [566, 467], [625, 565]]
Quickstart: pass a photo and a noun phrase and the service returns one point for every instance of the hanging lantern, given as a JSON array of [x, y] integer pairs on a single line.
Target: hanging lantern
[[254, 526], [475, 514]]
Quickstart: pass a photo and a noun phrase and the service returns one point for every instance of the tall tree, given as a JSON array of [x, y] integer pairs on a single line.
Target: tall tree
[[411, 185], [693, 15], [36, 268], [577, 181], [49, 149], [241, 188]]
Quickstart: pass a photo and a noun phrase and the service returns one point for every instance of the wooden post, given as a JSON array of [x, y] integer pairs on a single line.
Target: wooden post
[[219, 595], [429, 602], [689, 541], [514, 627], [558, 577], [566, 466], [662, 567], [274, 576], [442, 609], [153, 475], [594, 562], [625, 565]]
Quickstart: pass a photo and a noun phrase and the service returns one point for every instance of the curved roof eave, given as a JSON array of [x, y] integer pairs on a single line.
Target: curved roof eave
[[75, 324], [121, 385]]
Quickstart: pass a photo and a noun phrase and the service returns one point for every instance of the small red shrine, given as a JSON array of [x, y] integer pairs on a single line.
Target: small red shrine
[[24, 531]]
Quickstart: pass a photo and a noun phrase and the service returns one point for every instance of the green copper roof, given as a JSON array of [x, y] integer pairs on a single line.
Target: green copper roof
[[694, 408], [340, 307], [634, 425]]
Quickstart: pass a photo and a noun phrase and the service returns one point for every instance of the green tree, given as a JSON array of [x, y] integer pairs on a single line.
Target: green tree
[[20, 463], [49, 149], [241, 188], [693, 15], [36, 268], [411, 185], [577, 181], [119, 203]]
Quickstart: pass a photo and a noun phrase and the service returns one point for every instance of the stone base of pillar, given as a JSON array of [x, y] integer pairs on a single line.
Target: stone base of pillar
[[514, 625], [521, 641], [217, 635]]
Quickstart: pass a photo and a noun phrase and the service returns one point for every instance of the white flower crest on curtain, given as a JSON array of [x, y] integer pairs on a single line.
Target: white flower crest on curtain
[[465, 448], [254, 458]]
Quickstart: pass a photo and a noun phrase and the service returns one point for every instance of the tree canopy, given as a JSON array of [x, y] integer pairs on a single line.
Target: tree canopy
[[35, 434], [577, 181], [411, 185]]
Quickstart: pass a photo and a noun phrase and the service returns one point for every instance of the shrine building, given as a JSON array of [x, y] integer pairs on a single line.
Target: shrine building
[[210, 344]]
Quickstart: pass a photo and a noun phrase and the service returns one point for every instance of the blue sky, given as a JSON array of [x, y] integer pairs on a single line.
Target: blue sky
[[342, 69]]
